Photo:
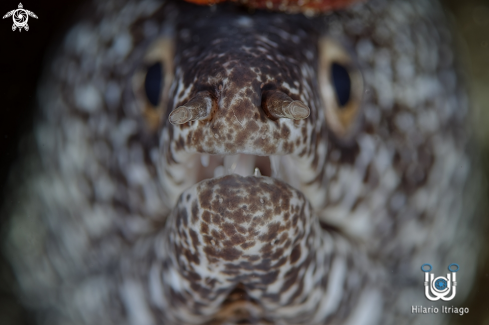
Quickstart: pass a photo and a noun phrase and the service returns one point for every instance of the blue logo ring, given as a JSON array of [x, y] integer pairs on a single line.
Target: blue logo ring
[[441, 284], [422, 267], [450, 267]]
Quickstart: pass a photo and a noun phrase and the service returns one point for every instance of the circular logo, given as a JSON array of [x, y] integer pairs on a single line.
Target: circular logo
[[441, 284], [20, 18]]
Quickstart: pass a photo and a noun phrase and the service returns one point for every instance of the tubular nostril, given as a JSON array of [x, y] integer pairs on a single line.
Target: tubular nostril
[[297, 110], [278, 105], [198, 108], [180, 115]]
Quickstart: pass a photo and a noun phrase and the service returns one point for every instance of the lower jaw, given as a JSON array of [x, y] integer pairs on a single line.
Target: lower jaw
[[242, 231]]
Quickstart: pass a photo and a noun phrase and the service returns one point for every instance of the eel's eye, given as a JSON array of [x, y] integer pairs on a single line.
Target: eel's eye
[[151, 81], [341, 83], [341, 87]]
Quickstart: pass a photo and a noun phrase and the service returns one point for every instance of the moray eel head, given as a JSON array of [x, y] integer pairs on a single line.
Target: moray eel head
[[244, 96]]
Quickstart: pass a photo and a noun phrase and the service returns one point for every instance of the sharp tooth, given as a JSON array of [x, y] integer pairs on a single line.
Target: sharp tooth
[[246, 165], [219, 171], [204, 160], [230, 163], [240, 164], [257, 172], [275, 165]]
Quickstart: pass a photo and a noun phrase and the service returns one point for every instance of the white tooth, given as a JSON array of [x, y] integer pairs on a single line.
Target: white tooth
[[230, 163], [204, 160], [240, 164], [246, 164], [219, 171], [257, 172], [275, 165]]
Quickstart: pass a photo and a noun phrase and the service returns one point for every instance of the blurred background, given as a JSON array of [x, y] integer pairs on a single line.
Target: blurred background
[[23, 54], [471, 21]]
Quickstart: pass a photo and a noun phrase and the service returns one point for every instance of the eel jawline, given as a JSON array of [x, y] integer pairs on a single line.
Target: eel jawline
[[258, 233]]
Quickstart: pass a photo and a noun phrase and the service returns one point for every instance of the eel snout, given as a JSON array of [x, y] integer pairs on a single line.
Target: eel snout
[[251, 95]]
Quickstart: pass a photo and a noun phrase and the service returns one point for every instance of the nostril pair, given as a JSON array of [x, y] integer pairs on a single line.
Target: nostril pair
[[275, 103]]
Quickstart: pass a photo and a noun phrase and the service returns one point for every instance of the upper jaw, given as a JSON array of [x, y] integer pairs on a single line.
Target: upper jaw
[[241, 132]]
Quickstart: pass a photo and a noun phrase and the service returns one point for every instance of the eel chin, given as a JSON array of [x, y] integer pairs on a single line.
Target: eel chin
[[258, 235]]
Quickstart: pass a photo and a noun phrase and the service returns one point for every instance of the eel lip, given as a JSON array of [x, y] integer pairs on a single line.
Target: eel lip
[[249, 202]]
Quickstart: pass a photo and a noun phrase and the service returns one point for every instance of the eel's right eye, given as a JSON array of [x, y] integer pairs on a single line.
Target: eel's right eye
[[153, 83], [341, 85]]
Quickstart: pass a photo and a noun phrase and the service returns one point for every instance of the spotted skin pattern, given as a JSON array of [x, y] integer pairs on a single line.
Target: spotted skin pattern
[[237, 74], [110, 223], [260, 234]]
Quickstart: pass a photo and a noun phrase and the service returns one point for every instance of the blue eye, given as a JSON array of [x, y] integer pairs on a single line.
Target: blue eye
[[153, 83], [342, 83]]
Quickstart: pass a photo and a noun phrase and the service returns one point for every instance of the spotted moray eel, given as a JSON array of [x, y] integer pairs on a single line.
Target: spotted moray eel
[[223, 165]]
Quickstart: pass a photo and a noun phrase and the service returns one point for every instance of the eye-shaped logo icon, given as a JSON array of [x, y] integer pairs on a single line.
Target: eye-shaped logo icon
[[20, 17], [441, 287], [441, 284]]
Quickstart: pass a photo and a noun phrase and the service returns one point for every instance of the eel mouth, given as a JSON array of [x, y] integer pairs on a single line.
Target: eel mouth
[[191, 154], [212, 166], [209, 166]]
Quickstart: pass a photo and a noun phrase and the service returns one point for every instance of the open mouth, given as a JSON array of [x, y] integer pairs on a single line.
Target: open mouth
[[242, 164], [200, 151], [200, 166]]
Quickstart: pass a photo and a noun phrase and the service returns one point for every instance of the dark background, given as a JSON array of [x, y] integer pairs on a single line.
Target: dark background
[[22, 56]]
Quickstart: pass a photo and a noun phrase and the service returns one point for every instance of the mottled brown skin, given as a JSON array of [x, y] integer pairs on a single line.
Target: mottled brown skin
[[113, 224], [257, 234], [222, 61]]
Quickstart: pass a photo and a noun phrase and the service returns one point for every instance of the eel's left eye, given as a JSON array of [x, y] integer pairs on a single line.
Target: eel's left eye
[[151, 81], [341, 86]]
